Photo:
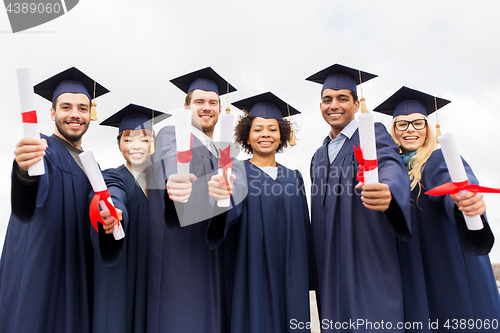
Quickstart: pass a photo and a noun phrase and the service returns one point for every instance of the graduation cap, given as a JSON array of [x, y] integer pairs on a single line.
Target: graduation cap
[[72, 81], [339, 77], [133, 117], [268, 106], [406, 101], [204, 79]]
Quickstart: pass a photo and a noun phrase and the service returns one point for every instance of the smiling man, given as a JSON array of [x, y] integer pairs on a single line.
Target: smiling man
[[355, 227], [46, 261], [185, 286]]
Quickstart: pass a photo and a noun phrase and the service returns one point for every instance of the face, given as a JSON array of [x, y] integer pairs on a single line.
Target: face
[[410, 139], [264, 137], [135, 146], [205, 108], [338, 108], [72, 117]]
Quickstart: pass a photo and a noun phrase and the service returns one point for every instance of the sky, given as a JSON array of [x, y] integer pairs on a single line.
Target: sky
[[447, 49]]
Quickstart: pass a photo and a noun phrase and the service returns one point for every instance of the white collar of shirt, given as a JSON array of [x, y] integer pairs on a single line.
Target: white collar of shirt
[[347, 131], [207, 142]]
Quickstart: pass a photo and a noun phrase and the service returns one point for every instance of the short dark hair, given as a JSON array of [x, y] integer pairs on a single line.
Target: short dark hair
[[353, 94], [242, 132], [187, 100], [54, 103]]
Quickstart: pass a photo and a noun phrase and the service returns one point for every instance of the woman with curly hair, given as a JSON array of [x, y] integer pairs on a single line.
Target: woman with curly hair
[[448, 281], [265, 238]]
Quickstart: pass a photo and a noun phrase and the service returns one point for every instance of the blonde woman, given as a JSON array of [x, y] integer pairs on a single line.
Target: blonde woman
[[448, 282]]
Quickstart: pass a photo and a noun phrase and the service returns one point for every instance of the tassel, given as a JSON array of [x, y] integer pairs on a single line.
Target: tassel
[[364, 109], [438, 130], [93, 111], [152, 146], [292, 139]]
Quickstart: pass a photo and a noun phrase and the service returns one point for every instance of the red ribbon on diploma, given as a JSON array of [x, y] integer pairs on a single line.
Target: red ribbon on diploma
[[225, 162], [185, 156], [452, 188], [94, 208], [29, 117], [364, 165]]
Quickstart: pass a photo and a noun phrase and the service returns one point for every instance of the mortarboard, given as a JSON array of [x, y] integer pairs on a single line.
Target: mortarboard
[[204, 79], [72, 81], [339, 77], [266, 105], [134, 116], [406, 101]]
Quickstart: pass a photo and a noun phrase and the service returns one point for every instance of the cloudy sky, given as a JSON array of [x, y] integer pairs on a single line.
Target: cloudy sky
[[133, 48]]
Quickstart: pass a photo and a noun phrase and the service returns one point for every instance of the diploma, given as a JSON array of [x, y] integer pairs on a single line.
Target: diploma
[[367, 154], [102, 196], [184, 140], [225, 161], [28, 112], [457, 173]]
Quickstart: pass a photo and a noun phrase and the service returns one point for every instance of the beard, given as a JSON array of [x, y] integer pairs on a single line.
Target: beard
[[71, 135]]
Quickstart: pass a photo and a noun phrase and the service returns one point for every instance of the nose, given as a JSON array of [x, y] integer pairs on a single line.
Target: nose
[[334, 105], [74, 112]]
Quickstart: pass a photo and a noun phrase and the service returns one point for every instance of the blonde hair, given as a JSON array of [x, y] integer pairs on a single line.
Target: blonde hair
[[417, 162]]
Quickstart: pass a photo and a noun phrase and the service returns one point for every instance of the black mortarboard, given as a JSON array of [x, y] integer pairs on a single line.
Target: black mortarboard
[[406, 101], [339, 77], [133, 117], [266, 105], [71, 80], [204, 79]]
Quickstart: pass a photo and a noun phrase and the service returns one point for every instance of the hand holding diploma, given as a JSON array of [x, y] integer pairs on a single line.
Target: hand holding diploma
[[469, 204], [30, 124], [102, 197]]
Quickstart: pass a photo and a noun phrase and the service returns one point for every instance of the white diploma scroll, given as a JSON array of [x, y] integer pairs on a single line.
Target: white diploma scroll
[[98, 185], [457, 173], [183, 138], [226, 138], [28, 111], [368, 145]]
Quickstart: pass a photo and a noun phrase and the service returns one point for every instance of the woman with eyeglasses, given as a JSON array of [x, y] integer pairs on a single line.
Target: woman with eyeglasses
[[448, 281]]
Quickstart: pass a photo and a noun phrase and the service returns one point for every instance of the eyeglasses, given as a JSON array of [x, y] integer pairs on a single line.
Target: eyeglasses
[[418, 124]]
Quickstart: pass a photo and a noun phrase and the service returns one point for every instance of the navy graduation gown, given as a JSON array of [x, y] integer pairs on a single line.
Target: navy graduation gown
[[445, 268], [184, 282], [266, 254], [120, 295], [46, 264], [358, 275]]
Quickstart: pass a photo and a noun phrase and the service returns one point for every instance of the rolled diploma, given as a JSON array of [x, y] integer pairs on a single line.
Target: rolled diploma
[[98, 185], [226, 136], [183, 138], [457, 173], [28, 105], [368, 145]]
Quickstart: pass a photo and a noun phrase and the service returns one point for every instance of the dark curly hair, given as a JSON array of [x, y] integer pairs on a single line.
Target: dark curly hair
[[242, 132]]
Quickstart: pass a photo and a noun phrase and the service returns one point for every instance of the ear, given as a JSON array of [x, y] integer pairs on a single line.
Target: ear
[[186, 107], [53, 114], [356, 105], [220, 109]]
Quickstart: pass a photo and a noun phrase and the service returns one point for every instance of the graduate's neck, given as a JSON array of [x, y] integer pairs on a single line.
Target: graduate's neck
[[263, 160], [76, 144]]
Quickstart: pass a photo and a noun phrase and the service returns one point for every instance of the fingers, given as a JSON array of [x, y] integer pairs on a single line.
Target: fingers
[[470, 203], [376, 196], [223, 191], [109, 221], [29, 151], [179, 187]]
